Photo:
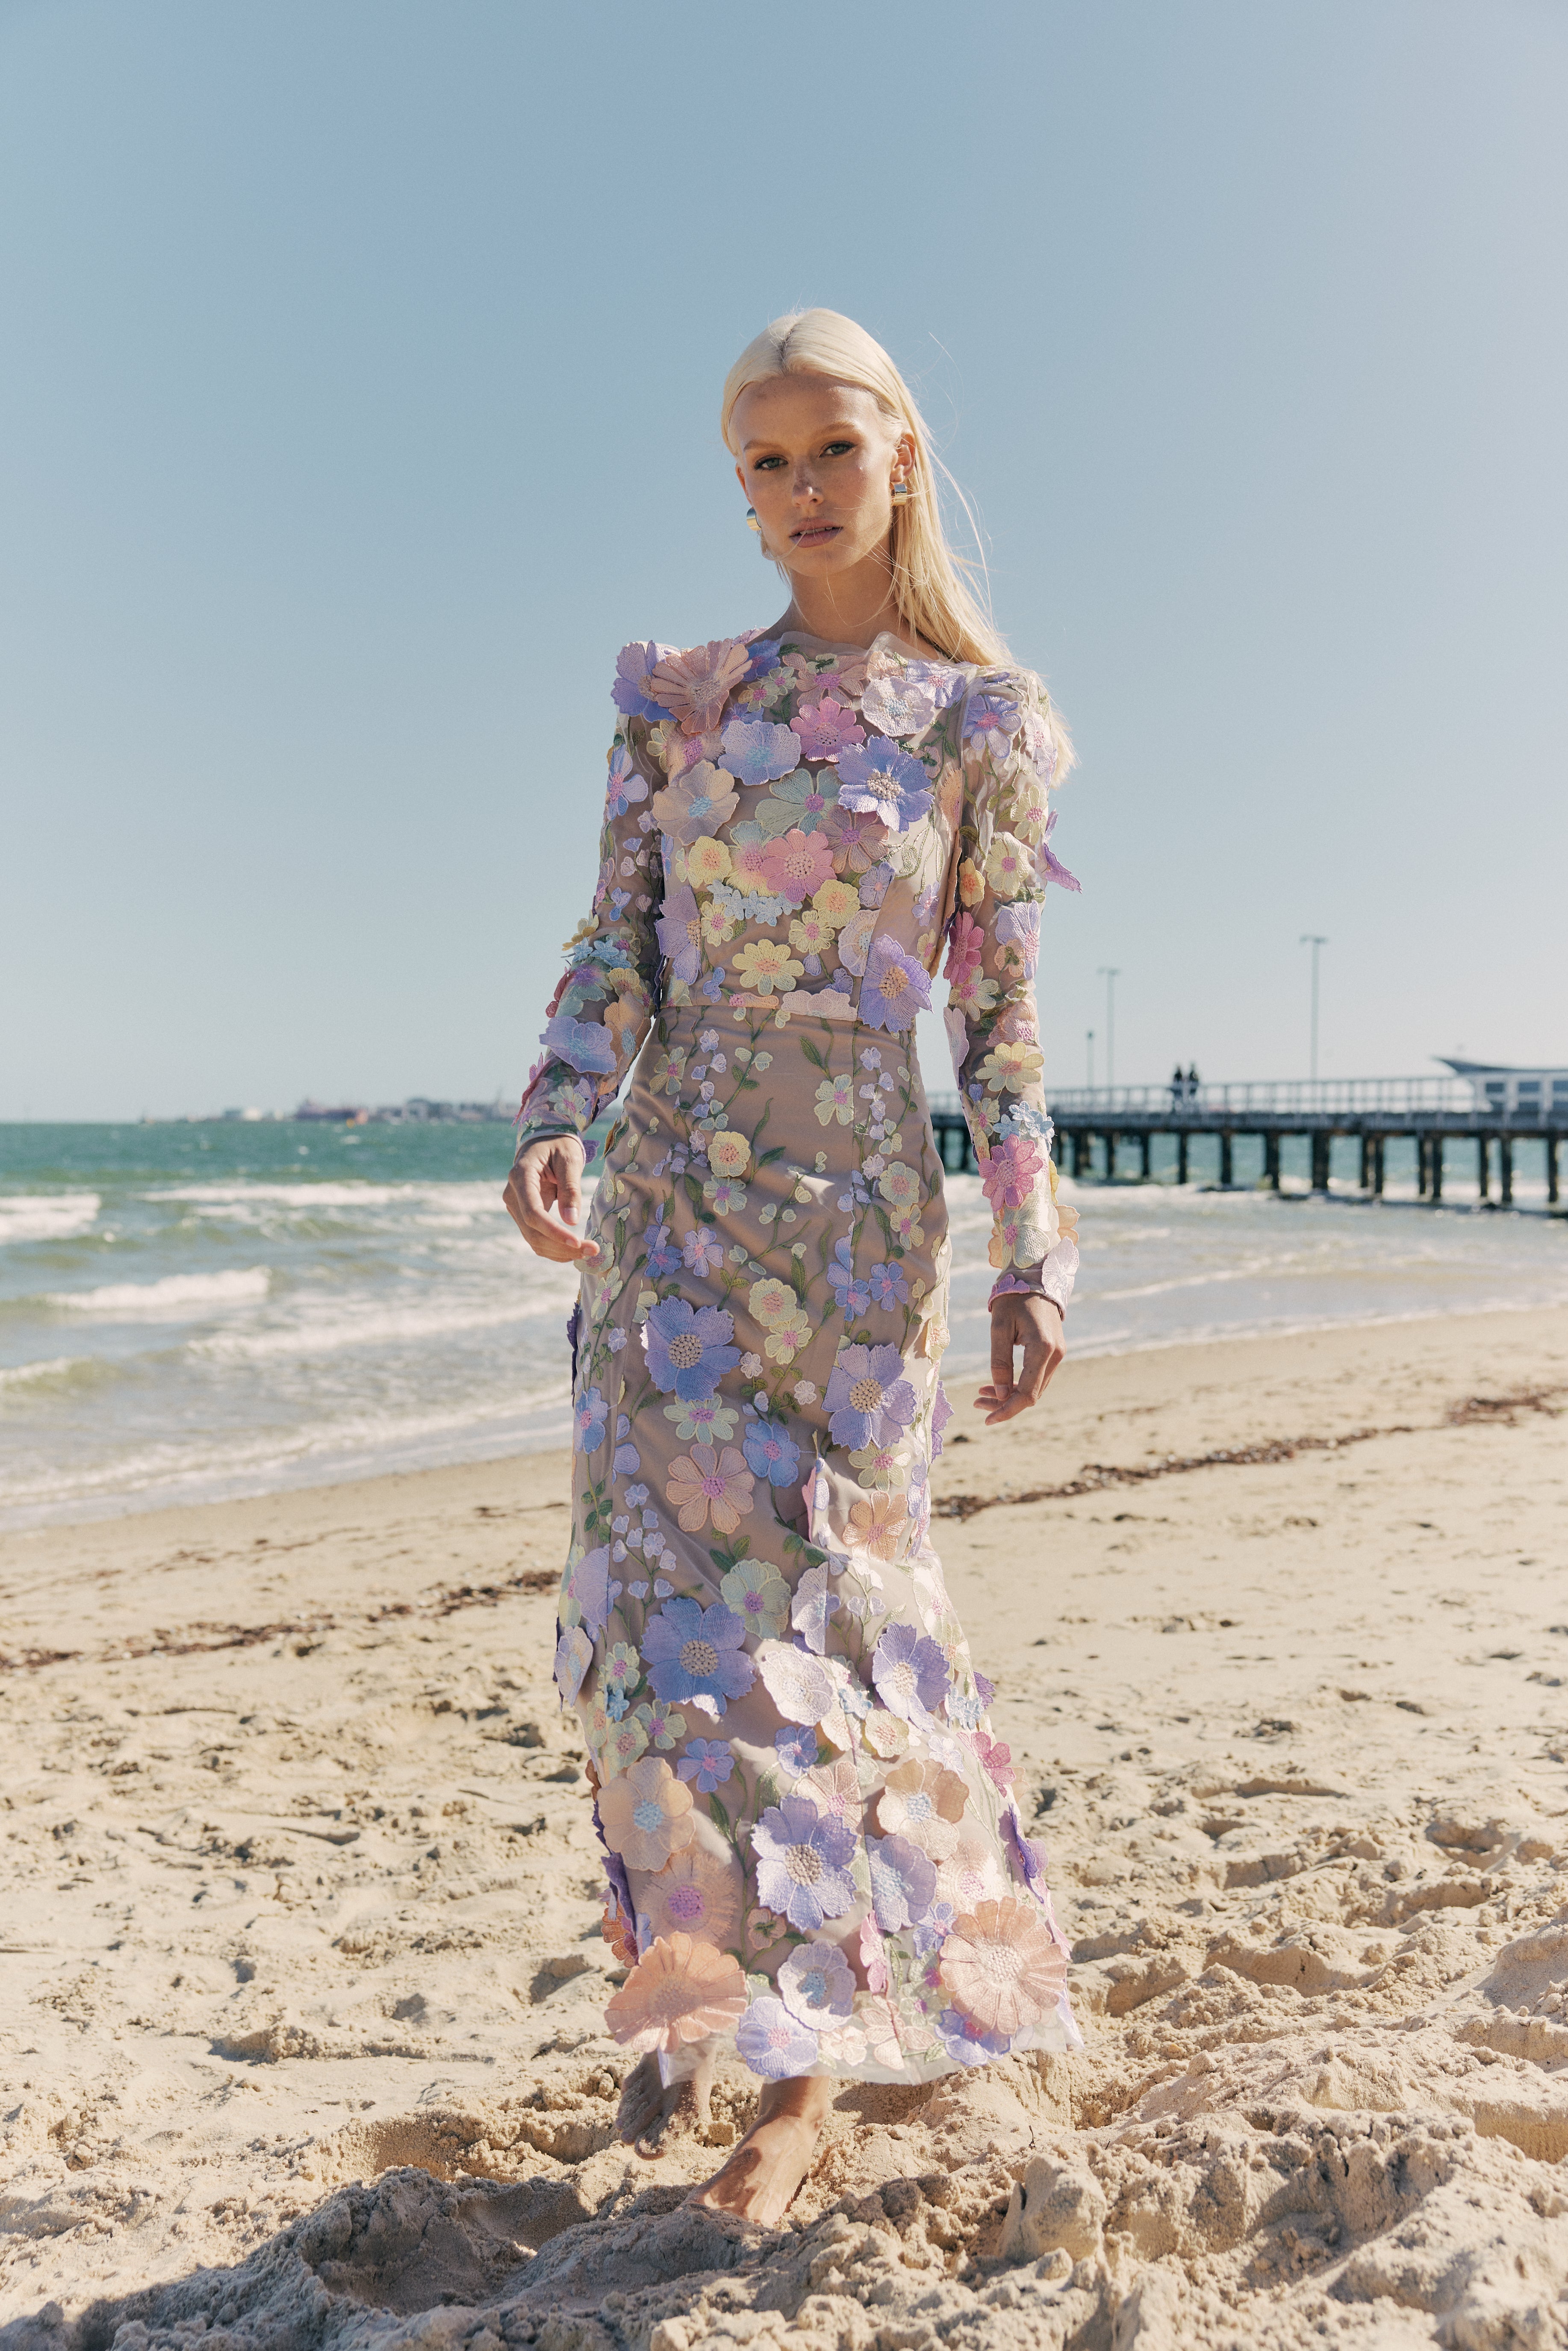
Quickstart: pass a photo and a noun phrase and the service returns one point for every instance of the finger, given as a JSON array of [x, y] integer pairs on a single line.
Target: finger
[[1032, 1378], [1002, 1353], [543, 1228], [566, 1168]]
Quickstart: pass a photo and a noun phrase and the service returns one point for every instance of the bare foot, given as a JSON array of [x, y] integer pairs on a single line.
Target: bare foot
[[648, 2110], [760, 2179]]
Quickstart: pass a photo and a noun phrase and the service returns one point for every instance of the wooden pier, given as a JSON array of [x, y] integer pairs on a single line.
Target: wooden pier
[[1100, 1130]]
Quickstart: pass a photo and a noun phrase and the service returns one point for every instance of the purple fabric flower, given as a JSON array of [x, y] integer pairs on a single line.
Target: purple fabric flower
[[969, 2043], [589, 1585], [703, 1251], [588, 1417], [773, 2043], [803, 1861], [941, 1413], [694, 1654], [1027, 1857], [817, 1984], [583, 1044], [708, 1762], [755, 751], [676, 927], [631, 666], [868, 1401], [897, 987], [687, 1347], [796, 1748], [815, 1601], [770, 1451], [905, 700], [881, 780], [1020, 923], [663, 1257], [888, 1285], [627, 1460], [994, 719], [853, 1295], [625, 785], [910, 1672], [903, 1881]]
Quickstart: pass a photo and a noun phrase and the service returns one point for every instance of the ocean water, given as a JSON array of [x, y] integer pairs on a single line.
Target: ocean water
[[193, 1312]]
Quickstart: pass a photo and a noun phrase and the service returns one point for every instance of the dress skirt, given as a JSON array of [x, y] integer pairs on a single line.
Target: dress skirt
[[814, 1856]]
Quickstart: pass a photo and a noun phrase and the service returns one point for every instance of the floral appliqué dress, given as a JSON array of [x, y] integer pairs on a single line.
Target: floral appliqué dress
[[813, 1850]]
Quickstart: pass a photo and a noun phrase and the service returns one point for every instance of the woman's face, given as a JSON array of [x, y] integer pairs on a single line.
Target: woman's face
[[818, 461]]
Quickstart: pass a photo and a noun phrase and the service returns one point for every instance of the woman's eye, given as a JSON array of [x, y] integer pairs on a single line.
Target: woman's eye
[[767, 464], [838, 448]]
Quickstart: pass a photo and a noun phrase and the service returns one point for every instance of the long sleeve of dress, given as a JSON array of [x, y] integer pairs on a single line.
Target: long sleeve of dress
[[1013, 750], [603, 1008]]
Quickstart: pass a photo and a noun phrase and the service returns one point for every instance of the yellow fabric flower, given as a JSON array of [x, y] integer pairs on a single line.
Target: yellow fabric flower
[[728, 1153], [880, 1523], [1009, 868], [788, 1337], [1011, 1067], [971, 883], [764, 964], [708, 861], [836, 901], [772, 1302], [899, 1185]]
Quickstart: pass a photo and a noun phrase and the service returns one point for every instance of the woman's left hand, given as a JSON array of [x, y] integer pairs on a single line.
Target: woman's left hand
[[1035, 1325]]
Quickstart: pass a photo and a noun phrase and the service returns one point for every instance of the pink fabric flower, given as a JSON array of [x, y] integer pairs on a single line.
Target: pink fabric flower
[[795, 865], [1012, 1169], [694, 686], [966, 945], [826, 727]]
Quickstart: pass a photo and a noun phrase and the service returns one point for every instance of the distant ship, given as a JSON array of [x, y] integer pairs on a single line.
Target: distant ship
[[1520, 1093]]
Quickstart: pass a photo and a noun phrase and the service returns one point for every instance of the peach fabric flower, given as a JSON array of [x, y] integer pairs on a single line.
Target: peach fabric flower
[[834, 1787], [880, 1523], [706, 1482], [681, 1989], [1001, 1965], [646, 1815], [925, 1802], [694, 686], [697, 1893]]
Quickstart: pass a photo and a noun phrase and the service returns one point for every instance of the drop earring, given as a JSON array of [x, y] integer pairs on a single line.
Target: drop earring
[[751, 521], [901, 492]]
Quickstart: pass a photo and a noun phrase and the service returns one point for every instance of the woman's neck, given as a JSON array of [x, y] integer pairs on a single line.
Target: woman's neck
[[853, 609]]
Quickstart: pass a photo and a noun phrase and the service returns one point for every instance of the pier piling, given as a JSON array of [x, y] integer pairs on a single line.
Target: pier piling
[[1227, 1172]]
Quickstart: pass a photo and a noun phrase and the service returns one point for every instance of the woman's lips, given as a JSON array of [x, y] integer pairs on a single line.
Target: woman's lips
[[814, 534]]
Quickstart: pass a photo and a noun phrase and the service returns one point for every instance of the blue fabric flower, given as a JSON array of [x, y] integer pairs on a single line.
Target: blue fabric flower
[[808, 798], [888, 1285], [773, 2043], [853, 1295], [583, 1044], [588, 1417], [588, 1585], [910, 1672], [796, 1747], [708, 1762], [687, 1347], [625, 785], [877, 778], [969, 2043], [631, 666], [756, 751], [803, 1862], [770, 1452], [903, 1881], [695, 1653], [868, 1401], [895, 987]]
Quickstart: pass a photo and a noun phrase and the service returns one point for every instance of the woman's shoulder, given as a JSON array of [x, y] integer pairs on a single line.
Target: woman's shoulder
[[689, 683]]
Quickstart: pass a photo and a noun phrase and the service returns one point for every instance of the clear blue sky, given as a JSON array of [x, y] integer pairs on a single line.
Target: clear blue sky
[[358, 399]]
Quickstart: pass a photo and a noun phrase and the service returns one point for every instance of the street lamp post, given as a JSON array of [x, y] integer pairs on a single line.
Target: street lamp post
[[1110, 974], [1088, 1048], [1312, 939]]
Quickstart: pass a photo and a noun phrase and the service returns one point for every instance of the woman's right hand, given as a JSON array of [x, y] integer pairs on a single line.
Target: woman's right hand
[[544, 1197]]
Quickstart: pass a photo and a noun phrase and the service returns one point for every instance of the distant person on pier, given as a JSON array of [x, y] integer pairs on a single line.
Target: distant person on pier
[[1179, 1087], [1192, 1082]]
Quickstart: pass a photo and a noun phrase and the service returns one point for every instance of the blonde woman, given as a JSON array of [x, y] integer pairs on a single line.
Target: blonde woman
[[815, 1860]]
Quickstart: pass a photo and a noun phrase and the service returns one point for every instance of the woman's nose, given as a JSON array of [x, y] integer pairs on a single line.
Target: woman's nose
[[804, 485]]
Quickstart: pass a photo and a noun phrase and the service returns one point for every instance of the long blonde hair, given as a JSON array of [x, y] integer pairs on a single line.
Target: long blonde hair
[[934, 600]]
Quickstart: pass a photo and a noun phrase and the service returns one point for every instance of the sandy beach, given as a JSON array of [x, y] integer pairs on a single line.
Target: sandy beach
[[300, 2039]]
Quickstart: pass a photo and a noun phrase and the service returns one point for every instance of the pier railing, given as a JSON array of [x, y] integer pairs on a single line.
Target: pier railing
[[1261, 1098]]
